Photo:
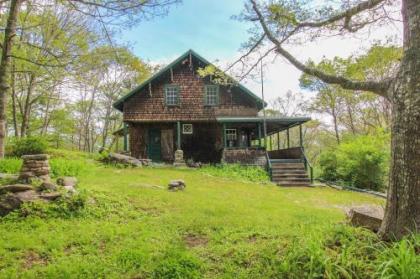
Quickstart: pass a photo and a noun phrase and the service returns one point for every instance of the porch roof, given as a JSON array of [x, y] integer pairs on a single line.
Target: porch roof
[[274, 124]]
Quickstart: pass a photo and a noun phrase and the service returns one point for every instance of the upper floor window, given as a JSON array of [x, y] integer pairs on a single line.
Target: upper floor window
[[172, 95], [211, 95]]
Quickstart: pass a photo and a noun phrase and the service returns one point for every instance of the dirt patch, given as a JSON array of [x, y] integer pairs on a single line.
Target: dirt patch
[[32, 258], [195, 240]]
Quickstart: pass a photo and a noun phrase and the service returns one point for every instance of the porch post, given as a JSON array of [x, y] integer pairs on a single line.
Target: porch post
[[224, 136], [300, 135], [178, 135], [125, 129], [288, 138], [278, 140], [259, 134]]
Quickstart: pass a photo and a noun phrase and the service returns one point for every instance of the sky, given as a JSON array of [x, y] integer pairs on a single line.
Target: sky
[[207, 27]]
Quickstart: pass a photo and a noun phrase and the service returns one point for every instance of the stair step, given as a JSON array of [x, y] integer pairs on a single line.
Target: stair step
[[292, 183], [289, 171], [280, 176]]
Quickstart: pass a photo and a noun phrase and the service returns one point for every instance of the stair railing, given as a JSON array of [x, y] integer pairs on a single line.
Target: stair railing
[[307, 165], [269, 166]]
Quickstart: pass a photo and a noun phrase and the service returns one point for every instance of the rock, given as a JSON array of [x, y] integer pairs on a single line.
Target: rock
[[50, 196], [124, 159], [70, 189], [175, 185], [15, 188], [369, 217], [27, 196], [36, 157], [67, 181], [48, 186], [145, 162], [9, 203], [194, 164], [8, 176]]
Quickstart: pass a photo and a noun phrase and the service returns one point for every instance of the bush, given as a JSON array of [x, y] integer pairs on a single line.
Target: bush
[[28, 145], [249, 173], [360, 162]]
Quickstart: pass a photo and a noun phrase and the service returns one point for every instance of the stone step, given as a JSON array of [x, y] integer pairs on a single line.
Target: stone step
[[289, 171], [289, 176]]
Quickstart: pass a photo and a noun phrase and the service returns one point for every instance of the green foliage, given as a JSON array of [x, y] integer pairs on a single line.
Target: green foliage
[[360, 162], [176, 264], [66, 167], [236, 171], [10, 165], [65, 207], [345, 252], [28, 145]]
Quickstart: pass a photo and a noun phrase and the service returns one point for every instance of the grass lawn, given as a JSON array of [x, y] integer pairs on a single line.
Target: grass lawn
[[132, 227]]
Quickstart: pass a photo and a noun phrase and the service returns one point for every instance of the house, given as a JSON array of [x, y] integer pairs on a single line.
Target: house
[[178, 115]]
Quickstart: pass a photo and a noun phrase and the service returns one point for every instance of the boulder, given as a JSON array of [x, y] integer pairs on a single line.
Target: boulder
[[47, 186], [369, 217], [27, 196], [8, 176], [15, 188], [50, 196], [67, 181], [70, 189], [124, 159], [176, 185], [8, 203]]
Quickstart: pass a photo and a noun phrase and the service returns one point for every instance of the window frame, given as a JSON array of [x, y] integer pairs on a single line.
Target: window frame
[[185, 125], [178, 97], [217, 100], [234, 135]]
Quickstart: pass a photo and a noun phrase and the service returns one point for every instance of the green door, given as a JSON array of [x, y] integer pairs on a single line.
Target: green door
[[154, 151]]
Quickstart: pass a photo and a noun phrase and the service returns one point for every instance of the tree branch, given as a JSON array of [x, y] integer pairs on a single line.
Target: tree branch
[[379, 88]]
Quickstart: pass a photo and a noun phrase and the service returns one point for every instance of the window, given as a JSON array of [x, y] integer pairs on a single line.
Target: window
[[231, 134], [211, 95], [187, 129], [172, 95]]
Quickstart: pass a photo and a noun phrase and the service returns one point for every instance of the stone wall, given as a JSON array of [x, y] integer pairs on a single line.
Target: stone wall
[[246, 156], [35, 166]]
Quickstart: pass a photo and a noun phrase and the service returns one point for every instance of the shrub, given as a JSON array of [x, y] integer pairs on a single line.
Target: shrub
[[360, 162], [28, 145], [249, 173]]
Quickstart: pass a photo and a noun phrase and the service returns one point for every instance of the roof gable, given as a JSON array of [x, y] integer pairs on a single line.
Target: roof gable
[[119, 103]]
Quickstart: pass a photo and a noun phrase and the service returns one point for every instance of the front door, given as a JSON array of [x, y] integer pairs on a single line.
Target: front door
[[154, 146]]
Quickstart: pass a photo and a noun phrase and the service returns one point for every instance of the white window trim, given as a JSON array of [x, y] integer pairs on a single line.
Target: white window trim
[[186, 132]]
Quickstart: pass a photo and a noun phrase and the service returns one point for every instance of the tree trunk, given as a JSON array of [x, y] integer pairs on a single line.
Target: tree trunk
[[9, 34], [28, 106], [14, 112], [402, 213]]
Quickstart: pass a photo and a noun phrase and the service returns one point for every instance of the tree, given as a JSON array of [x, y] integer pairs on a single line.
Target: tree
[[284, 22], [5, 65], [99, 15]]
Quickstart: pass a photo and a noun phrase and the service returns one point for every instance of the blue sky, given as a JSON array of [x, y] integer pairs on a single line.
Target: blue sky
[[206, 26], [203, 25]]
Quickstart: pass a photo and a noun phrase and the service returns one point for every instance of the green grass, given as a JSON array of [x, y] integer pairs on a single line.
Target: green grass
[[132, 227]]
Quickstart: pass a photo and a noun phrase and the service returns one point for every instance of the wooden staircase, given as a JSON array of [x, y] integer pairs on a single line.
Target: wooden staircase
[[289, 173]]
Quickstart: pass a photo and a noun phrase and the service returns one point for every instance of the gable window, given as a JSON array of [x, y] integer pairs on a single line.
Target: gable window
[[172, 95], [211, 95]]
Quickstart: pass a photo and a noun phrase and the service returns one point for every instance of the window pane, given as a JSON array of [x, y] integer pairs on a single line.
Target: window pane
[[211, 95], [172, 93]]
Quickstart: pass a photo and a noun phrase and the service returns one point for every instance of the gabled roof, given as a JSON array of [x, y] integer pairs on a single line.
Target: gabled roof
[[119, 103]]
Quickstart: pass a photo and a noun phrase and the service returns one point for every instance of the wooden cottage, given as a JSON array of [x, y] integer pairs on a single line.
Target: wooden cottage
[[177, 115]]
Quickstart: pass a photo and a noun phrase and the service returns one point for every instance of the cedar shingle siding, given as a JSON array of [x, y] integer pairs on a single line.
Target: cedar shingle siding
[[144, 106]]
